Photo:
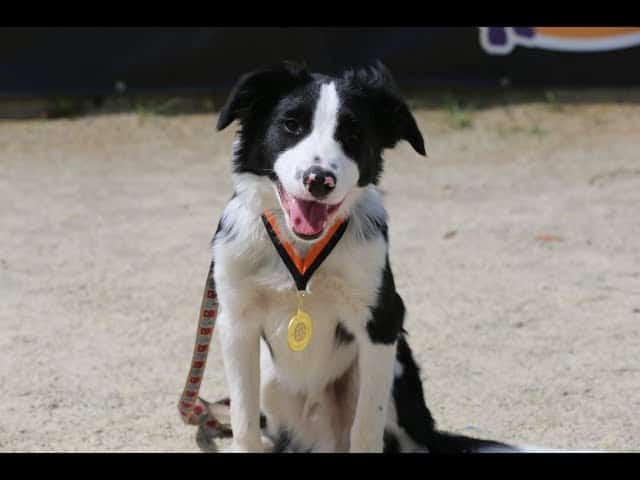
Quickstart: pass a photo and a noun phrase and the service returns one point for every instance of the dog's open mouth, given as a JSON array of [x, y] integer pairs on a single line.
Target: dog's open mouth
[[307, 218]]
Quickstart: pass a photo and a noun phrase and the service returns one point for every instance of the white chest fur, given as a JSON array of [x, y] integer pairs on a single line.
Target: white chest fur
[[340, 292], [254, 284]]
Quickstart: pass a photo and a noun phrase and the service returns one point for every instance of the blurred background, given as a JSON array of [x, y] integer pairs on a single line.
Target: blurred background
[[514, 244], [74, 69]]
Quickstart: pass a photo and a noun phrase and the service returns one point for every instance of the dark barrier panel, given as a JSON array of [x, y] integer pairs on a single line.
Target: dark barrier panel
[[98, 61]]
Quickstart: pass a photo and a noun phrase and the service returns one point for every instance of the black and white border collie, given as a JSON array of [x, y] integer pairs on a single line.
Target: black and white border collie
[[310, 151]]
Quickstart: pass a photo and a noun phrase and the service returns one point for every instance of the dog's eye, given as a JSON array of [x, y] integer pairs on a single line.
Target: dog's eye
[[292, 126]]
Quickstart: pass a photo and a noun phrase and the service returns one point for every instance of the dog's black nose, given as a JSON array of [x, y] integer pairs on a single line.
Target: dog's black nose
[[319, 182]]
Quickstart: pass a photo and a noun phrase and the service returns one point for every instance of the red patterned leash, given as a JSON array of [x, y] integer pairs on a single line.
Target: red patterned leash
[[211, 418]]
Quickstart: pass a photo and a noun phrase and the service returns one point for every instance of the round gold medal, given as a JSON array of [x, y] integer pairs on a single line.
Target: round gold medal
[[299, 331]]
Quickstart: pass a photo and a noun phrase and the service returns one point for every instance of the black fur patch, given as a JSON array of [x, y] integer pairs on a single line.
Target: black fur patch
[[225, 227], [390, 442], [387, 315], [284, 444], [372, 227], [343, 336], [264, 337], [373, 117], [374, 87], [413, 415]]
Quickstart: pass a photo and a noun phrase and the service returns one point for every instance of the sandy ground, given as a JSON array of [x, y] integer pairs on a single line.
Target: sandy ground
[[516, 246]]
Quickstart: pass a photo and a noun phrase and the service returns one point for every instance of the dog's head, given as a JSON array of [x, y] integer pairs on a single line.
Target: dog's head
[[319, 139]]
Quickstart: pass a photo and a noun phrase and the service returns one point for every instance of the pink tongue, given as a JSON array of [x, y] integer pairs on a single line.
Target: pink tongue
[[307, 218]]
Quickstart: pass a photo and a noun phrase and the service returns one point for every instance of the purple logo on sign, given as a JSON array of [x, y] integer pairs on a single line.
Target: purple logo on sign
[[498, 35], [502, 40]]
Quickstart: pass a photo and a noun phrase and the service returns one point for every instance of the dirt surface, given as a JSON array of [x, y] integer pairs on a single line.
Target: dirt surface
[[516, 247]]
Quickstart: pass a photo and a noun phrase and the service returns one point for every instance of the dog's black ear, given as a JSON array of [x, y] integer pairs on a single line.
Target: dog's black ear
[[392, 116], [258, 89]]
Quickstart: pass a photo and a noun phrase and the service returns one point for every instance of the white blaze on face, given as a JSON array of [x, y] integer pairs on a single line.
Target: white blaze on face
[[319, 144]]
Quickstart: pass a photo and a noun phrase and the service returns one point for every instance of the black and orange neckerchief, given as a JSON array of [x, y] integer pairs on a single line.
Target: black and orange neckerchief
[[302, 269]]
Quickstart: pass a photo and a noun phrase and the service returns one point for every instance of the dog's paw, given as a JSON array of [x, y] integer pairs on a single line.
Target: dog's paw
[[366, 444], [244, 447], [366, 449]]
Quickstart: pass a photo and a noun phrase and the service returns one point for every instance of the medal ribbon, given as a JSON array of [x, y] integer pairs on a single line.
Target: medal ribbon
[[302, 269]]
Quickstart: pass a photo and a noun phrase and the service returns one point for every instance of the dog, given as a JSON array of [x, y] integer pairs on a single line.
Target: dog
[[309, 152]]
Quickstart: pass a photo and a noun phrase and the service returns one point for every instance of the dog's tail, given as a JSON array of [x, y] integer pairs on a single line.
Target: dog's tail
[[445, 442]]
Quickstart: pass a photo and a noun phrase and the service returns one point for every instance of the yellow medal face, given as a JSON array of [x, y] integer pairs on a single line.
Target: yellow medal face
[[299, 331]]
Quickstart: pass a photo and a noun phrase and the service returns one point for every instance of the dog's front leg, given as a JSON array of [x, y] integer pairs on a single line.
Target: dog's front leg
[[240, 343], [375, 365]]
